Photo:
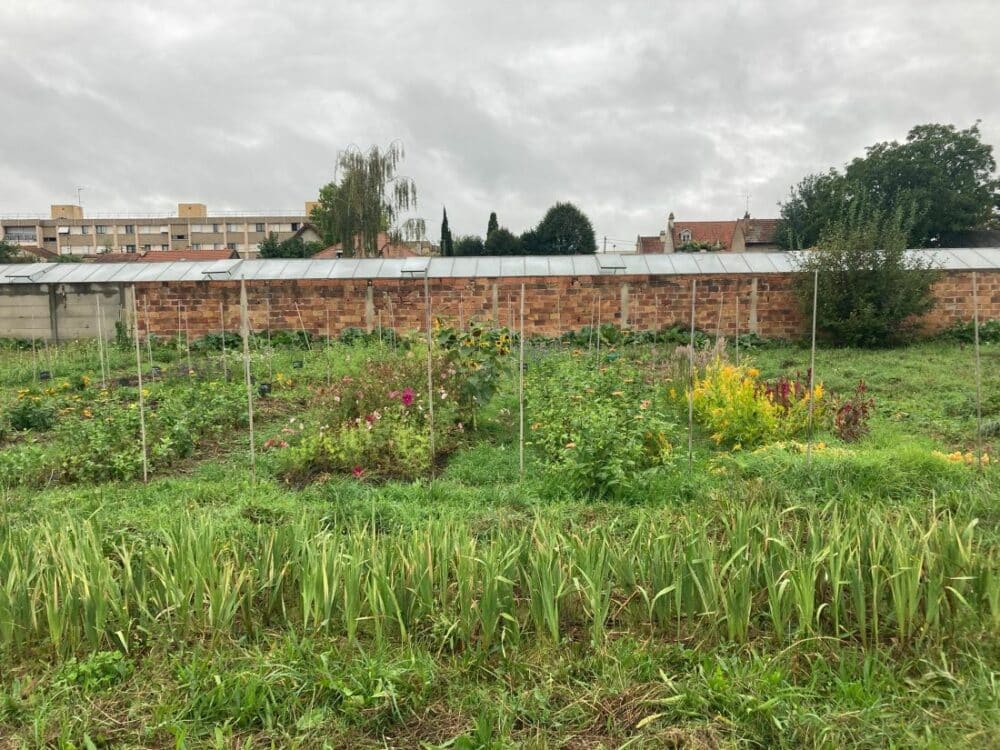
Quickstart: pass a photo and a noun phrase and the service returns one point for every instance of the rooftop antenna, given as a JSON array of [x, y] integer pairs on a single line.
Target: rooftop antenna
[[79, 201]]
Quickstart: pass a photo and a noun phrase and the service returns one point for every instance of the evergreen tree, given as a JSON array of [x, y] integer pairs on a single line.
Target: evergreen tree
[[493, 224], [447, 247]]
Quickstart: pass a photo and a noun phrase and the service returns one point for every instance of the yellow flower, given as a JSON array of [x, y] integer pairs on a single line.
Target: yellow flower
[[570, 445], [818, 391], [753, 372]]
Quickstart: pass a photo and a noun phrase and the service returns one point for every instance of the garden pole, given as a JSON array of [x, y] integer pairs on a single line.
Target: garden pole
[[100, 341], [380, 346], [302, 325], [979, 377], [598, 330], [187, 340], [270, 350], [694, 289], [430, 377], [812, 370], [559, 325], [34, 357], [138, 372], [461, 311], [737, 328], [178, 324], [590, 333], [520, 394], [222, 320], [245, 333], [718, 320], [149, 341], [326, 354]]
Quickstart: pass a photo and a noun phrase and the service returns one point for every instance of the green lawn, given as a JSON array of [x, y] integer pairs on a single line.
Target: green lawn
[[744, 599]]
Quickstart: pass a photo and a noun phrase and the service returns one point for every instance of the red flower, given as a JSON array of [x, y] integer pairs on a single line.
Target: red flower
[[407, 397], [357, 471]]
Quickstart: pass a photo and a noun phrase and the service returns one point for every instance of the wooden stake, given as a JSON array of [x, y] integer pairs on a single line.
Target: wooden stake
[[718, 320], [737, 327], [812, 369], [979, 377], [694, 288], [430, 376], [245, 333], [34, 357], [142, 403], [520, 394], [187, 341], [149, 341], [100, 341], [302, 325], [270, 349], [222, 319], [461, 311], [598, 330], [326, 354]]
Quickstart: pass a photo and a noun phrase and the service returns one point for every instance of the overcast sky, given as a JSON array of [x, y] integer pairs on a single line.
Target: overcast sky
[[629, 109]]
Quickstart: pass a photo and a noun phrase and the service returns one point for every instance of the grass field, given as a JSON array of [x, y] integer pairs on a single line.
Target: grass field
[[619, 595]]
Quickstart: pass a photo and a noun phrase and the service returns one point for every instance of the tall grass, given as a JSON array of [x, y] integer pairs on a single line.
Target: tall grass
[[853, 574]]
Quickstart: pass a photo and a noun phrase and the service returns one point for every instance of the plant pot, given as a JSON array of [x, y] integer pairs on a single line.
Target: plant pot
[[297, 364], [44, 375], [264, 389]]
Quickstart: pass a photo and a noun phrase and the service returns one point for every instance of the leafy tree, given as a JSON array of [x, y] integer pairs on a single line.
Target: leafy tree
[[370, 198], [493, 225], [447, 247], [9, 253], [502, 242], [293, 247], [946, 175], [469, 245], [870, 291], [565, 230], [530, 243]]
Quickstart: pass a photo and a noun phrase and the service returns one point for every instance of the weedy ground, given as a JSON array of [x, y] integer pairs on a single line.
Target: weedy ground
[[743, 599]]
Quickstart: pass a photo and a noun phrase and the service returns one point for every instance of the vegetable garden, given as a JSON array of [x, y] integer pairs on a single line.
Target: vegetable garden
[[706, 546]]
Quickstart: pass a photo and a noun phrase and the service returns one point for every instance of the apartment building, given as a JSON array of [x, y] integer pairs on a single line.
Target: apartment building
[[68, 232]]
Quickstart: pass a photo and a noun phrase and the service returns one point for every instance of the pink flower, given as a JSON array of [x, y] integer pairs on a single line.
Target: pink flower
[[357, 471], [393, 395], [407, 397]]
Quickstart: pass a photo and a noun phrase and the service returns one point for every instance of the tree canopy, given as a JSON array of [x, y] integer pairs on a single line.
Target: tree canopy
[[447, 246], [293, 247], [368, 199], [469, 245], [945, 176], [564, 230]]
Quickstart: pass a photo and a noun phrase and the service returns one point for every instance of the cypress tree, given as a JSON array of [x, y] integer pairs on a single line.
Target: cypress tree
[[447, 248], [493, 225]]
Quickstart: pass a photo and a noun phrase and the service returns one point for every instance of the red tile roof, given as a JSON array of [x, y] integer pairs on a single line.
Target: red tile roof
[[386, 249], [707, 232]]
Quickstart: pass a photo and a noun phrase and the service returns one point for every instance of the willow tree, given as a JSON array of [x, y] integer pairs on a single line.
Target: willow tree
[[369, 200]]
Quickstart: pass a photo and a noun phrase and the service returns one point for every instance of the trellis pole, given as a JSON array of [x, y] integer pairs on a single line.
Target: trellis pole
[[100, 341], [245, 334], [326, 354], [737, 327], [979, 377], [598, 330], [302, 326], [187, 340], [270, 349], [142, 403], [34, 357], [149, 342], [520, 394], [812, 370], [694, 288], [222, 319], [430, 376]]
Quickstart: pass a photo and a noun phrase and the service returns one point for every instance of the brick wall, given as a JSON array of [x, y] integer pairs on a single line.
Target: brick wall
[[766, 303]]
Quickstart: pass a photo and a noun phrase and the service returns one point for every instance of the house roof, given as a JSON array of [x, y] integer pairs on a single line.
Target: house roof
[[386, 249], [706, 232], [38, 252]]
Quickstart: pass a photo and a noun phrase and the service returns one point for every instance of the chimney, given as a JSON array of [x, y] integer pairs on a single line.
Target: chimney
[[66, 211], [192, 210]]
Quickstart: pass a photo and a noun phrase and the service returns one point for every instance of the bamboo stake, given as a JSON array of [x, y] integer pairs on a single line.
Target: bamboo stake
[[979, 377], [718, 320], [656, 329], [559, 325], [430, 376], [222, 319], [149, 342], [34, 357], [520, 395], [142, 403], [461, 311], [380, 346], [270, 349], [737, 328], [302, 325], [187, 341], [245, 333], [100, 341], [326, 354], [598, 330], [694, 288], [812, 369], [593, 316]]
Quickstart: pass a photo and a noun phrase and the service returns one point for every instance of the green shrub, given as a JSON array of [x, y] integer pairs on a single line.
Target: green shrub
[[32, 413]]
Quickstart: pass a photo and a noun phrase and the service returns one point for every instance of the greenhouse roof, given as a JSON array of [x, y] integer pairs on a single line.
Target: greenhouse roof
[[675, 264]]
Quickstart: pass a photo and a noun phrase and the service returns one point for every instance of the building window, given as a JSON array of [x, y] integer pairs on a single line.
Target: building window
[[130, 229], [230, 246], [147, 248], [19, 234], [101, 228], [217, 228], [84, 230], [258, 227], [196, 246], [180, 236], [130, 248], [295, 226], [685, 235], [49, 239], [235, 227]]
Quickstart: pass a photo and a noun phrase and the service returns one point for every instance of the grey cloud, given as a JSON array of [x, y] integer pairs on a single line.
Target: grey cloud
[[631, 109]]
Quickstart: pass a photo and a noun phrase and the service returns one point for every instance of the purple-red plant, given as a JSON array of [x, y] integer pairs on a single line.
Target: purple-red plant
[[851, 419]]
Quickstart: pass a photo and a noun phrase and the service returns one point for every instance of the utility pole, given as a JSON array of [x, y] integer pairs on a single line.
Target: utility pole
[[605, 243], [79, 201]]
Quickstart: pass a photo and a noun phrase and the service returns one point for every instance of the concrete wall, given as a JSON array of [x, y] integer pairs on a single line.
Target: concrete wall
[[59, 312]]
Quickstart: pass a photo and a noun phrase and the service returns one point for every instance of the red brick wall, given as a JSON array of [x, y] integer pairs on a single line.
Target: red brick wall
[[552, 304]]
